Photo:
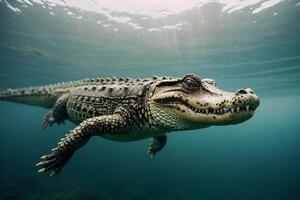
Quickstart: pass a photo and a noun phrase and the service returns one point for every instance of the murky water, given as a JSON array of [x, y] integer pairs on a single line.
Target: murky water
[[239, 46]]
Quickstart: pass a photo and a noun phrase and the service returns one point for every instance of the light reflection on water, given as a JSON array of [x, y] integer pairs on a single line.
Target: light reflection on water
[[254, 160]]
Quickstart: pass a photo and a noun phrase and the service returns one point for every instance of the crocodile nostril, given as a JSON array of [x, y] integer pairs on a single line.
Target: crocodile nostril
[[241, 91]]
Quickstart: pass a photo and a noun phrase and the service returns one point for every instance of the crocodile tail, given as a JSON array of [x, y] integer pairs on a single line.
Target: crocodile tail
[[37, 96]]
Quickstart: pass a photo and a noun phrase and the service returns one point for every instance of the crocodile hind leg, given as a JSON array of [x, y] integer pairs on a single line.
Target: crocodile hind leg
[[157, 144], [77, 137], [58, 113]]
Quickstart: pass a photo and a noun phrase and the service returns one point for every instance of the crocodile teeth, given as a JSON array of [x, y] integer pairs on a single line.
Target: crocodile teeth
[[237, 109], [221, 111], [206, 110], [225, 109], [247, 108], [232, 110]]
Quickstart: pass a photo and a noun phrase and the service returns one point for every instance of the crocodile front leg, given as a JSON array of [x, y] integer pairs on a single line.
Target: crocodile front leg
[[77, 137], [58, 113], [157, 144]]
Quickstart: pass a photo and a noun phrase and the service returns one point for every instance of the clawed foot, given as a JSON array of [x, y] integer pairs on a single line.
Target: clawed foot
[[54, 162], [156, 145], [49, 120], [153, 148]]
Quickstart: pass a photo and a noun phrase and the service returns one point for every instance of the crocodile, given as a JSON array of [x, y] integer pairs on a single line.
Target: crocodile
[[128, 109]]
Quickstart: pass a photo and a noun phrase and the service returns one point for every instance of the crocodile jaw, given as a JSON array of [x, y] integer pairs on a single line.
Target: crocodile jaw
[[230, 110], [211, 106]]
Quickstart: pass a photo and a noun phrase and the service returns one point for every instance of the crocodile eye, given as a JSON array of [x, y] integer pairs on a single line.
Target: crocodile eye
[[190, 84]]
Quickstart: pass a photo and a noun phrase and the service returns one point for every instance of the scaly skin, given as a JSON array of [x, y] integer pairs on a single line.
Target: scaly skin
[[124, 109]]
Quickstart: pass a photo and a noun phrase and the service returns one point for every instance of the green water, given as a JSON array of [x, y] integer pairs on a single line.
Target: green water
[[258, 159]]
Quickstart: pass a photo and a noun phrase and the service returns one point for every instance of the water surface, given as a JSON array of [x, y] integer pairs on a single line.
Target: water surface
[[239, 46]]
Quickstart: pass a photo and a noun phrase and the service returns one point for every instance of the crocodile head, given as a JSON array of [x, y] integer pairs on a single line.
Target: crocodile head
[[192, 102]]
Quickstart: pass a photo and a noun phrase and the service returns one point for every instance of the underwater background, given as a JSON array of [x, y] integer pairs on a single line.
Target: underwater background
[[240, 44]]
